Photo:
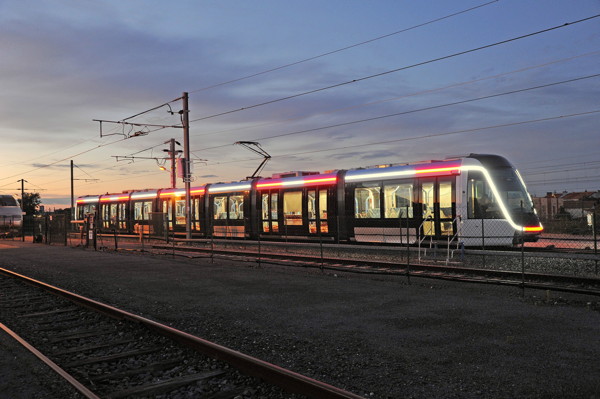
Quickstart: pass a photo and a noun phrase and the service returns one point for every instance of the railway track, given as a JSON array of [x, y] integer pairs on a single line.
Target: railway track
[[425, 268], [105, 352]]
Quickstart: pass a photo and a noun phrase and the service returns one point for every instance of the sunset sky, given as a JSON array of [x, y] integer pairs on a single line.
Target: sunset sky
[[320, 85]]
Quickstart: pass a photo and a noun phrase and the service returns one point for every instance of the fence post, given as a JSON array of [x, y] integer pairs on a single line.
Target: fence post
[[595, 238], [260, 227], [46, 230], [67, 223], [407, 246], [212, 240], [318, 224], [522, 256], [483, 239], [116, 240]]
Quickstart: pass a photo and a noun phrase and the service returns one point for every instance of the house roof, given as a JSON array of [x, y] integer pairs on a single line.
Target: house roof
[[576, 196]]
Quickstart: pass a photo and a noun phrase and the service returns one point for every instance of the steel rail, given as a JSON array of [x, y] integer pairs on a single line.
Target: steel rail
[[66, 376], [286, 379], [454, 273]]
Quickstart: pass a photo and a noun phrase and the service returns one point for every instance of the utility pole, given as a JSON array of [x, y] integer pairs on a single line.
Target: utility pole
[[187, 178], [72, 194], [173, 172], [23, 181], [172, 153]]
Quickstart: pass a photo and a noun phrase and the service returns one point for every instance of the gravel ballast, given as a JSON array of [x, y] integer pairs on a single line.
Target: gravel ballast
[[376, 336]]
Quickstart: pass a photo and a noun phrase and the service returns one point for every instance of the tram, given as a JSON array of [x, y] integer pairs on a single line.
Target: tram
[[11, 216], [475, 199]]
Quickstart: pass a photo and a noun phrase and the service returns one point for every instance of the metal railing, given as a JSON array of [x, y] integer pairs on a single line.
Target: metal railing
[[450, 254]]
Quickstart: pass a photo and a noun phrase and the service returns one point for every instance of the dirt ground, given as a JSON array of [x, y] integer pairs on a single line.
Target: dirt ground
[[377, 336]]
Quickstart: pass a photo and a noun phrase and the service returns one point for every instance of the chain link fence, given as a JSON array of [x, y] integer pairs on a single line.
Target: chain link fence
[[565, 247], [571, 234], [10, 226]]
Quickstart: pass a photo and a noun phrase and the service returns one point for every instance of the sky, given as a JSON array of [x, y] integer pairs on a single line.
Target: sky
[[320, 85]]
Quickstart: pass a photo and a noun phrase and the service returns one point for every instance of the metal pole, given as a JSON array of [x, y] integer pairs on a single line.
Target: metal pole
[[22, 206], [173, 170], [72, 194], [595, 239], [522, 256], [407, 246], [259, 248], [187, 164], [483, 239]]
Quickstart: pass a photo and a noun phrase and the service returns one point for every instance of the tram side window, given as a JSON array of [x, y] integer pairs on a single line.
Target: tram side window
[[83, 210], [312, 205], [264, 211], [113, 214], [366, 202], [236, 207], [265, 207], [168, 210], [481, 203], [220, 207], [274, 198], [323, 204], [292, 208], [196, 213], [274, 212], [180, 212], [323, 211], [106, 215], [122, 215], [398, 200], [141, 210]]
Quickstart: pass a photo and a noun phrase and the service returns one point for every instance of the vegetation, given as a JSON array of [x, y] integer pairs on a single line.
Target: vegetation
[[31, 203]]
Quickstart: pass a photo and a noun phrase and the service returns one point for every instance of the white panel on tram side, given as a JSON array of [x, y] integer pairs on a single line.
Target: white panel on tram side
[[461, 202], [495, 232]]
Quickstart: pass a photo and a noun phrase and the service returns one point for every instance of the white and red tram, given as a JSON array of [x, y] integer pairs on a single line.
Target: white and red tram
[[472, 199]]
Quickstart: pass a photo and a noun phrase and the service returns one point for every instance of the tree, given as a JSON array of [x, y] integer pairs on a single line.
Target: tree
[[30, 203]]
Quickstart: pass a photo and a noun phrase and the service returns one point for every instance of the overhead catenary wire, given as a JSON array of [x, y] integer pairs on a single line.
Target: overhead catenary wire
[[411, 111], [65, 159], [556, 171], [398, 69], [584, 179], [426, 91], [427, 136], [160, 127], [545, 168], [343, 48], [355, 80], [90, 149]]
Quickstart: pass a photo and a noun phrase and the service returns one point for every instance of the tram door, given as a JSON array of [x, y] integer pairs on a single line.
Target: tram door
[[438, 206]]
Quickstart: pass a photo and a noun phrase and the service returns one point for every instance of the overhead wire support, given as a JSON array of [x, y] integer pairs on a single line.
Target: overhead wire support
[[138, 133], [256, 148], [155, 108], [400, 69]]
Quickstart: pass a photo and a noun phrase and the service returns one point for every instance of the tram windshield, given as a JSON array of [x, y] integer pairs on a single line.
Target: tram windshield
[[8, 200], [483, 204]]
